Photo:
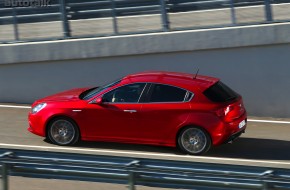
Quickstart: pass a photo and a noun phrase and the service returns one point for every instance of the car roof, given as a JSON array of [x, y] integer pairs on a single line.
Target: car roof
[[184, 80]]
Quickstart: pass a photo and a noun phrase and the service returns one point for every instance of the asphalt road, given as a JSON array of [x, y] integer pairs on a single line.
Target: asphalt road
[[263, 144]]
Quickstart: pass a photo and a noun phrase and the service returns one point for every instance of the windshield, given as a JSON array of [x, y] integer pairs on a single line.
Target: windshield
[[94, 91]]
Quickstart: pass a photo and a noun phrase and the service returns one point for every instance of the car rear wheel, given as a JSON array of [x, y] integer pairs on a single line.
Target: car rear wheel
[[63, 131], [194, 140]]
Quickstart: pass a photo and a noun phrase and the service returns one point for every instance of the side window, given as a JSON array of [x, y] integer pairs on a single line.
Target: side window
[[165, 93], [128, 93], [188, 96]]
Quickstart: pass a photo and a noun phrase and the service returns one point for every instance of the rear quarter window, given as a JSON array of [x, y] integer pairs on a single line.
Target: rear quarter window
[[219, 92]]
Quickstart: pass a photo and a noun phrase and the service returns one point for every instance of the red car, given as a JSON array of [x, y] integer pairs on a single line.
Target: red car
[[192, 112]]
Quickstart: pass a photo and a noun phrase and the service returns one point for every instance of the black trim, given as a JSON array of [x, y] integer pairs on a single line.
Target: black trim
[[148, 93], [144, 95], [234, 136]]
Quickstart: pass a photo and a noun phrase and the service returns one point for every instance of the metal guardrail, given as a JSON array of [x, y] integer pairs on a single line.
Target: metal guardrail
[[147, 172], [62, 19]]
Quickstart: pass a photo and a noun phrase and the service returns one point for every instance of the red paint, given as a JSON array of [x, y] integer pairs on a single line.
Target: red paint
[[144, 123]]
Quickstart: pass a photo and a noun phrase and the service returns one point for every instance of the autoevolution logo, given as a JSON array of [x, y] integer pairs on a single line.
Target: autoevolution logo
[[27, 3]]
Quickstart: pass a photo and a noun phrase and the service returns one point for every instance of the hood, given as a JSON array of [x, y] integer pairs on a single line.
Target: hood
[[69, 95]]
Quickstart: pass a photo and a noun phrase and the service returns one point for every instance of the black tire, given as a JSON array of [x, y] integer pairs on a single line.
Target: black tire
[[63, 131], [194, 140]]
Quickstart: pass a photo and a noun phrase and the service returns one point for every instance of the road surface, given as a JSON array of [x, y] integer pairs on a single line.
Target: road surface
[[265, 143]]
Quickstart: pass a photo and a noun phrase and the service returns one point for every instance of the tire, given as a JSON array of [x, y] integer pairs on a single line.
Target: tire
[[63, 131], [194, 140]]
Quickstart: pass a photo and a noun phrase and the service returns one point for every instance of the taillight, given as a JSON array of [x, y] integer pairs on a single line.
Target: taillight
[[231, 112], [228, 109], [220, 112], [224, 111]]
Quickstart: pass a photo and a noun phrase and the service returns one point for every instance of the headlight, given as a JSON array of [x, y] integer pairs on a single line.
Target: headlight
[[38, 107]]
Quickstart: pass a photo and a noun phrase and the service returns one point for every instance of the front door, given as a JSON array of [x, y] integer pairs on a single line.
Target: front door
[[116, 118]]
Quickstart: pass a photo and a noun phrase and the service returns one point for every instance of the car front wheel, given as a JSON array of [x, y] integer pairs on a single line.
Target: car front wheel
[[194, 140], [63, 131]]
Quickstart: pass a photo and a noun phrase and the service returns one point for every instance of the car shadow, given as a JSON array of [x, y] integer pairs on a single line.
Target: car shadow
[[243, 148], [128, 147], [252, 148], [124, 147]]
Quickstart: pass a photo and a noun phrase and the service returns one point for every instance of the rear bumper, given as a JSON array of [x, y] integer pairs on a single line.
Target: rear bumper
[[231, 131], [234, 136]]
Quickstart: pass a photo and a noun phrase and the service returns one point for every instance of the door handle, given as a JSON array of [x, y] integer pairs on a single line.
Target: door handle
[[130, 111]]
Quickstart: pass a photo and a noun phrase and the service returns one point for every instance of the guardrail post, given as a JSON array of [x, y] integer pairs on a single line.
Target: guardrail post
[[4, 176], [131, 182], [114, 15], [263, 178], [132, 168], [15, 25], [233, 12], [65, 23], [268, 11], [164, 16], [265, 186]]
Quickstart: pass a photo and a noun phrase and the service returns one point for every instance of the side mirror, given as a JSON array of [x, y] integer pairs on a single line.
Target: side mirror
[[98, 100]]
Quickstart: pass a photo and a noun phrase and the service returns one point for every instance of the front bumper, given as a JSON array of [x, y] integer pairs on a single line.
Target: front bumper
[[36, 124]]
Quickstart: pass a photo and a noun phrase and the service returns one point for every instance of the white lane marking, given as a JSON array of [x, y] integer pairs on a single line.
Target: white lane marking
[[251, 120], [12, 106], [144, 154], [268, 121]]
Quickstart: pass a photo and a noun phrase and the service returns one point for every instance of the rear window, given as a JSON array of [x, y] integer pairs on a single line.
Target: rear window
[[219, 92]]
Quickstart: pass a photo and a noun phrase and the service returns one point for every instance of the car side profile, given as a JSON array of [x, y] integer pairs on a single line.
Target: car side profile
[[192, 112]]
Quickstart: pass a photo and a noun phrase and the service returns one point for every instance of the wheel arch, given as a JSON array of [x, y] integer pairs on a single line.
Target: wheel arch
[[54, 117], [184, 127]]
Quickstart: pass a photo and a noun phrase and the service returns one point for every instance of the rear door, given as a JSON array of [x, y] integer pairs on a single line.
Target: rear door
[[163, 110]]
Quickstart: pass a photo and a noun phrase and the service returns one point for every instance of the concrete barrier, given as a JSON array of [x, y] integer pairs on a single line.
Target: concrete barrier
[[146, 43]]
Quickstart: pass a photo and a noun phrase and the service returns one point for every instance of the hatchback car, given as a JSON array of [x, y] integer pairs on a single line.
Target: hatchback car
[[192, 112]]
